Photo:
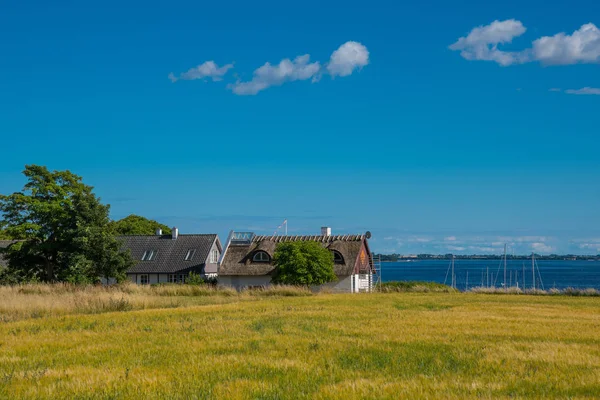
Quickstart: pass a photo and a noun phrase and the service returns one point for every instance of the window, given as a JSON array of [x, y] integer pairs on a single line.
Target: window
[[190, 254], [337, 257], [214, 256], [261, 256], [176, 278], [144, 279], [149, 255]]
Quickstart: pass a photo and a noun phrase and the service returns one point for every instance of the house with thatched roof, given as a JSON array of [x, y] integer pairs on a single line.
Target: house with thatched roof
[[170, 258], [247, 261]]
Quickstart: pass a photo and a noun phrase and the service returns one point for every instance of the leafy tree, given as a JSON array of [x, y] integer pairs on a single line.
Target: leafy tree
[[65, 230], [136, 225], [303, 263]]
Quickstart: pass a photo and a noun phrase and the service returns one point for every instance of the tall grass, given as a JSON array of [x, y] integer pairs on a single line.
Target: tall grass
[[414, 286], [347, 346], [43, 300], [590, 292]]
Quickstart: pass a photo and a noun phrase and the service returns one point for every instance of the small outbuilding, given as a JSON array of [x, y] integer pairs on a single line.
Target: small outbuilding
[[247, 260]]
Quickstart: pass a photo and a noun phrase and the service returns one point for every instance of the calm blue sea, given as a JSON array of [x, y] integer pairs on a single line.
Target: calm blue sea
[[557, 274]]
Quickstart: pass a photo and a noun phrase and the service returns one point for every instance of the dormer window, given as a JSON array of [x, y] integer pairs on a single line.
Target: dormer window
[[149, 255], [190, 254], [261, 256], [337, 257]]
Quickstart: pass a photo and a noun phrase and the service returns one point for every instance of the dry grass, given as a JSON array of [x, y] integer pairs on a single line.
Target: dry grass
[[394, 345], [38, 300], [590, 292]]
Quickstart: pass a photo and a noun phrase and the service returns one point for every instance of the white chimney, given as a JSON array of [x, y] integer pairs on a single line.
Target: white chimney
[[174, 233], [325, 231], [159, 232]]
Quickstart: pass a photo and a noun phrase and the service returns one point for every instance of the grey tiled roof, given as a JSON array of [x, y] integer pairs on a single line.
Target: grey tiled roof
[[238, 258], [171, 252]]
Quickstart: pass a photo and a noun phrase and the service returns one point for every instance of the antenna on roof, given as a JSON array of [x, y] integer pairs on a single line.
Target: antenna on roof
[[284, 223]]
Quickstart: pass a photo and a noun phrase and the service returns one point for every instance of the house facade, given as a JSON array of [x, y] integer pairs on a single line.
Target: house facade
[[247, 260], [170, 258]]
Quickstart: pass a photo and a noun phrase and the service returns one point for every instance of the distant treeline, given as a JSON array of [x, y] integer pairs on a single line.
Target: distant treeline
[[397, 257]]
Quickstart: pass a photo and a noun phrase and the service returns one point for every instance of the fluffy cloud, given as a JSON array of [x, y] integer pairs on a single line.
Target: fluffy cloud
[[585, 90], [347, 58], [482, 42], [582, 46], [450, 239], [541, 247], [209, 69], [274, 75]]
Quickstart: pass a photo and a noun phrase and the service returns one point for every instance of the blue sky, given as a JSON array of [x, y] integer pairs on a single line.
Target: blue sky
[[394, 124]]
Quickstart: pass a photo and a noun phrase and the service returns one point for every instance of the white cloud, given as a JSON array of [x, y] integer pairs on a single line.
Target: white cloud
[[482, 42], [582, 46], [208, 69], [541, 247], [590, 246], [347, 58], [554, 90], [584, 91], [450, 238], [484, 250], [419, 239], [269, 75], [456, 248]]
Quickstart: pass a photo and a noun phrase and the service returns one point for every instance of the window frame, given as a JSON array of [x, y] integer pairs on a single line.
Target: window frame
[[146, 278], [339, 259], [261, 252], [190, 255], [214, 256], [149, 255]]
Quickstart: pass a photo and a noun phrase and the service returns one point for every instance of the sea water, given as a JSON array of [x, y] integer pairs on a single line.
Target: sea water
[[551, 274]]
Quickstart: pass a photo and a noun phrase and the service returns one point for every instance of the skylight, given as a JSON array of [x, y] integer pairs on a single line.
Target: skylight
[[149, 255], [190, 254]]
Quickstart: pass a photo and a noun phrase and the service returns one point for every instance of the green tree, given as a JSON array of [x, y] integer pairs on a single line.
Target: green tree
[[64, 230], [303, 263], [136, 225]]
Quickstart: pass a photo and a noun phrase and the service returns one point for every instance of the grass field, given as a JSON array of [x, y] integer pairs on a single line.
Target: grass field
[[229, 346]]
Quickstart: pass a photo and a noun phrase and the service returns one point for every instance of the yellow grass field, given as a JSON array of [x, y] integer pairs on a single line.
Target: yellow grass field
[[347, 346]]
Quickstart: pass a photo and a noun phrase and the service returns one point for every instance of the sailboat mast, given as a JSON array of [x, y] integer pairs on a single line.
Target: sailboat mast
[[533, 269], [453, 278], [505, 287]]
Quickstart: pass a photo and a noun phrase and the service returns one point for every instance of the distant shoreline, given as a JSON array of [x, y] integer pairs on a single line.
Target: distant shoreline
[[421, 257]]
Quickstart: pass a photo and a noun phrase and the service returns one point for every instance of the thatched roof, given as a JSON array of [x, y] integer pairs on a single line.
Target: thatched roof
[[238, 257]]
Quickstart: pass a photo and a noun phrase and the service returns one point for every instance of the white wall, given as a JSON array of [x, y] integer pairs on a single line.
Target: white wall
[[343, 284], [212, 268], [239, 282]]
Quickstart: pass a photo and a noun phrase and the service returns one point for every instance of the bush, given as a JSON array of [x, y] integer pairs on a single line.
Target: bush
[[414, 286], [194, 279], [303, 263]]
